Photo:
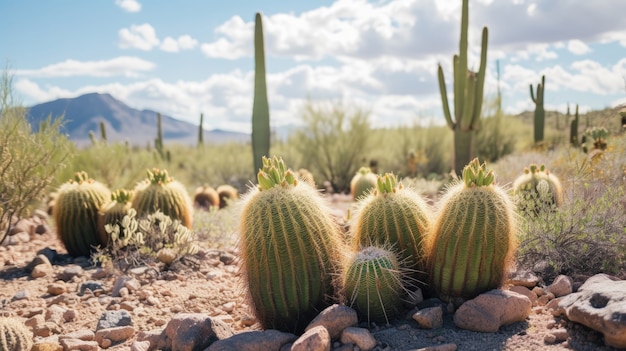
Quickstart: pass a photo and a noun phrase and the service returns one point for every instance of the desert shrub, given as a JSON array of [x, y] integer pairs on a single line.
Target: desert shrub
[[498, 134], [28, 160], [139, 241], [333, 141]]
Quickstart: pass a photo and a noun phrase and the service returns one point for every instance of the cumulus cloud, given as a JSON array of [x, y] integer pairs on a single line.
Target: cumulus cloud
[[577, 47], [129, 5], [126, 66], [142, 37], [184, 42]]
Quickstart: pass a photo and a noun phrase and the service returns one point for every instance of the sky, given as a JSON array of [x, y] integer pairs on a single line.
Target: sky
[[183, 58]]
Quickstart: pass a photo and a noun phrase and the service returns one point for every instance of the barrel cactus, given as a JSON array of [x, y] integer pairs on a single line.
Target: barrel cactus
[[290, 247], [373, 284], [395, 216], [473, 239], [159, 192], [537, 189], [14, 335], [206, 197], [75, 213], [114, 211], [363, 182], [227, 194]]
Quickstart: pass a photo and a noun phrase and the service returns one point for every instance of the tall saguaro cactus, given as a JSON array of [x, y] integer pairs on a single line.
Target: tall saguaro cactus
[[468, 95], [540, 113], [201, 131], [260, 107], [158, 142], [573, 130]]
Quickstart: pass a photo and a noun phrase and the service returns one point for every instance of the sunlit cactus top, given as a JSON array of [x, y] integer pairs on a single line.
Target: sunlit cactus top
[[534, 169], [275, 173], [159, 176], [122, 196], [81, 177], [387, 184], [475, 174]]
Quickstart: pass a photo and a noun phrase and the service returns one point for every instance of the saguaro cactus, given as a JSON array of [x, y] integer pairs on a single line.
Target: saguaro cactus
[[396, 217], [373, 284], [573, 131], [76, 213], [158, 142], [291, 249], [468, 95], [540, 113], [260, 107], [201, 131], [473, 238]]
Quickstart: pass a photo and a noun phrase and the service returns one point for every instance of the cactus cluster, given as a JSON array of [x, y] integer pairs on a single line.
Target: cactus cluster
[[537, 189], [291, 249], [14, 335], [362, 183], [540, 112]]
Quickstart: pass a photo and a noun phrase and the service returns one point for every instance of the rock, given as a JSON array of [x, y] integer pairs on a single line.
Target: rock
[[86, 335], [526, 292], [491, 310], [429, 318], [112, 319], [23, 226], [600, 304], [50, 254], [119, 284], [56, 288], [89, 285], [140, 346], [46, 346], [41, 271], [195, 331], [155, 338], [556, 336], [314, 339], [561, 286], [54, 314], [38, 260], [444, 347], [77, 344], [70, 272], [253, 341], [335, 319], [361, 337], [21, 295], [524, 278], [114, 335]]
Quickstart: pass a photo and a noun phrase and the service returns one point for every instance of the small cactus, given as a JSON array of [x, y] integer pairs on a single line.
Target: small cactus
[[113, 212], [394, 216], [75, 213], [206, 197], [14, 335], [599, 136], [227, 194], [291, 249], [363, 182], [159, 192], [373, 284], [473, 238], [537, 189]]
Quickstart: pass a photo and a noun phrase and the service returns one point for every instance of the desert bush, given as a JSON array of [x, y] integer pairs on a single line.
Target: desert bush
[[28, 160]]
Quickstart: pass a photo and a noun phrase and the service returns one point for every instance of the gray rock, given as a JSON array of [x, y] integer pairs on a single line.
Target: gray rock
[[314, 339], [255, 340], [600, 304], [561, 286], [195, 331], [39, 259], [526, 279], [89, 285], [429, 318], [335, 319], [70, 272], [491, 310], [112, 319]]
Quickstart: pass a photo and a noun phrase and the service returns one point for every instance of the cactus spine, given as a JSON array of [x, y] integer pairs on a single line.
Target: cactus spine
[[540, 113], [473, 238], [14, 335], [76, 213], [206, 197], [362, 183], [260, 107], [468, 95], [537, 189], [396, 217], [573, 131], [291, 249], [159, 192], [373, 284], [114, 211]]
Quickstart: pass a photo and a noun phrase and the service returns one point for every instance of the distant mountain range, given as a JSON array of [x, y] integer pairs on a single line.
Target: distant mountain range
[[123, 123]]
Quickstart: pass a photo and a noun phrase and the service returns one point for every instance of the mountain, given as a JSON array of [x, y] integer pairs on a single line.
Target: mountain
[[123, 123]]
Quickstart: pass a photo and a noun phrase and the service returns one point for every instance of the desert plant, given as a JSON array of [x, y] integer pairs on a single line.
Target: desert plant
[[537, 189], [573, 131], [290, 248], [206, 197], [201, 131], [373, 284], [397, 217], [468, 95], [14, 335], [29, 160], [75, 213], [260, 107], [226, 194], [160, 192], [306, 176], [113, 212], [103, 132], [598, 136], [362, 183], [473, 239], [540, 113]]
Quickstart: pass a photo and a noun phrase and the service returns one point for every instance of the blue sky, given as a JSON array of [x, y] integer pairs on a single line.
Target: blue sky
[[190, 57]]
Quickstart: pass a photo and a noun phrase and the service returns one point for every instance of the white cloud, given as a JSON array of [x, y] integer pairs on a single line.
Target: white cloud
[[129, 5], [577, 47], [184, 42], [126, 66], [142, 37]]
